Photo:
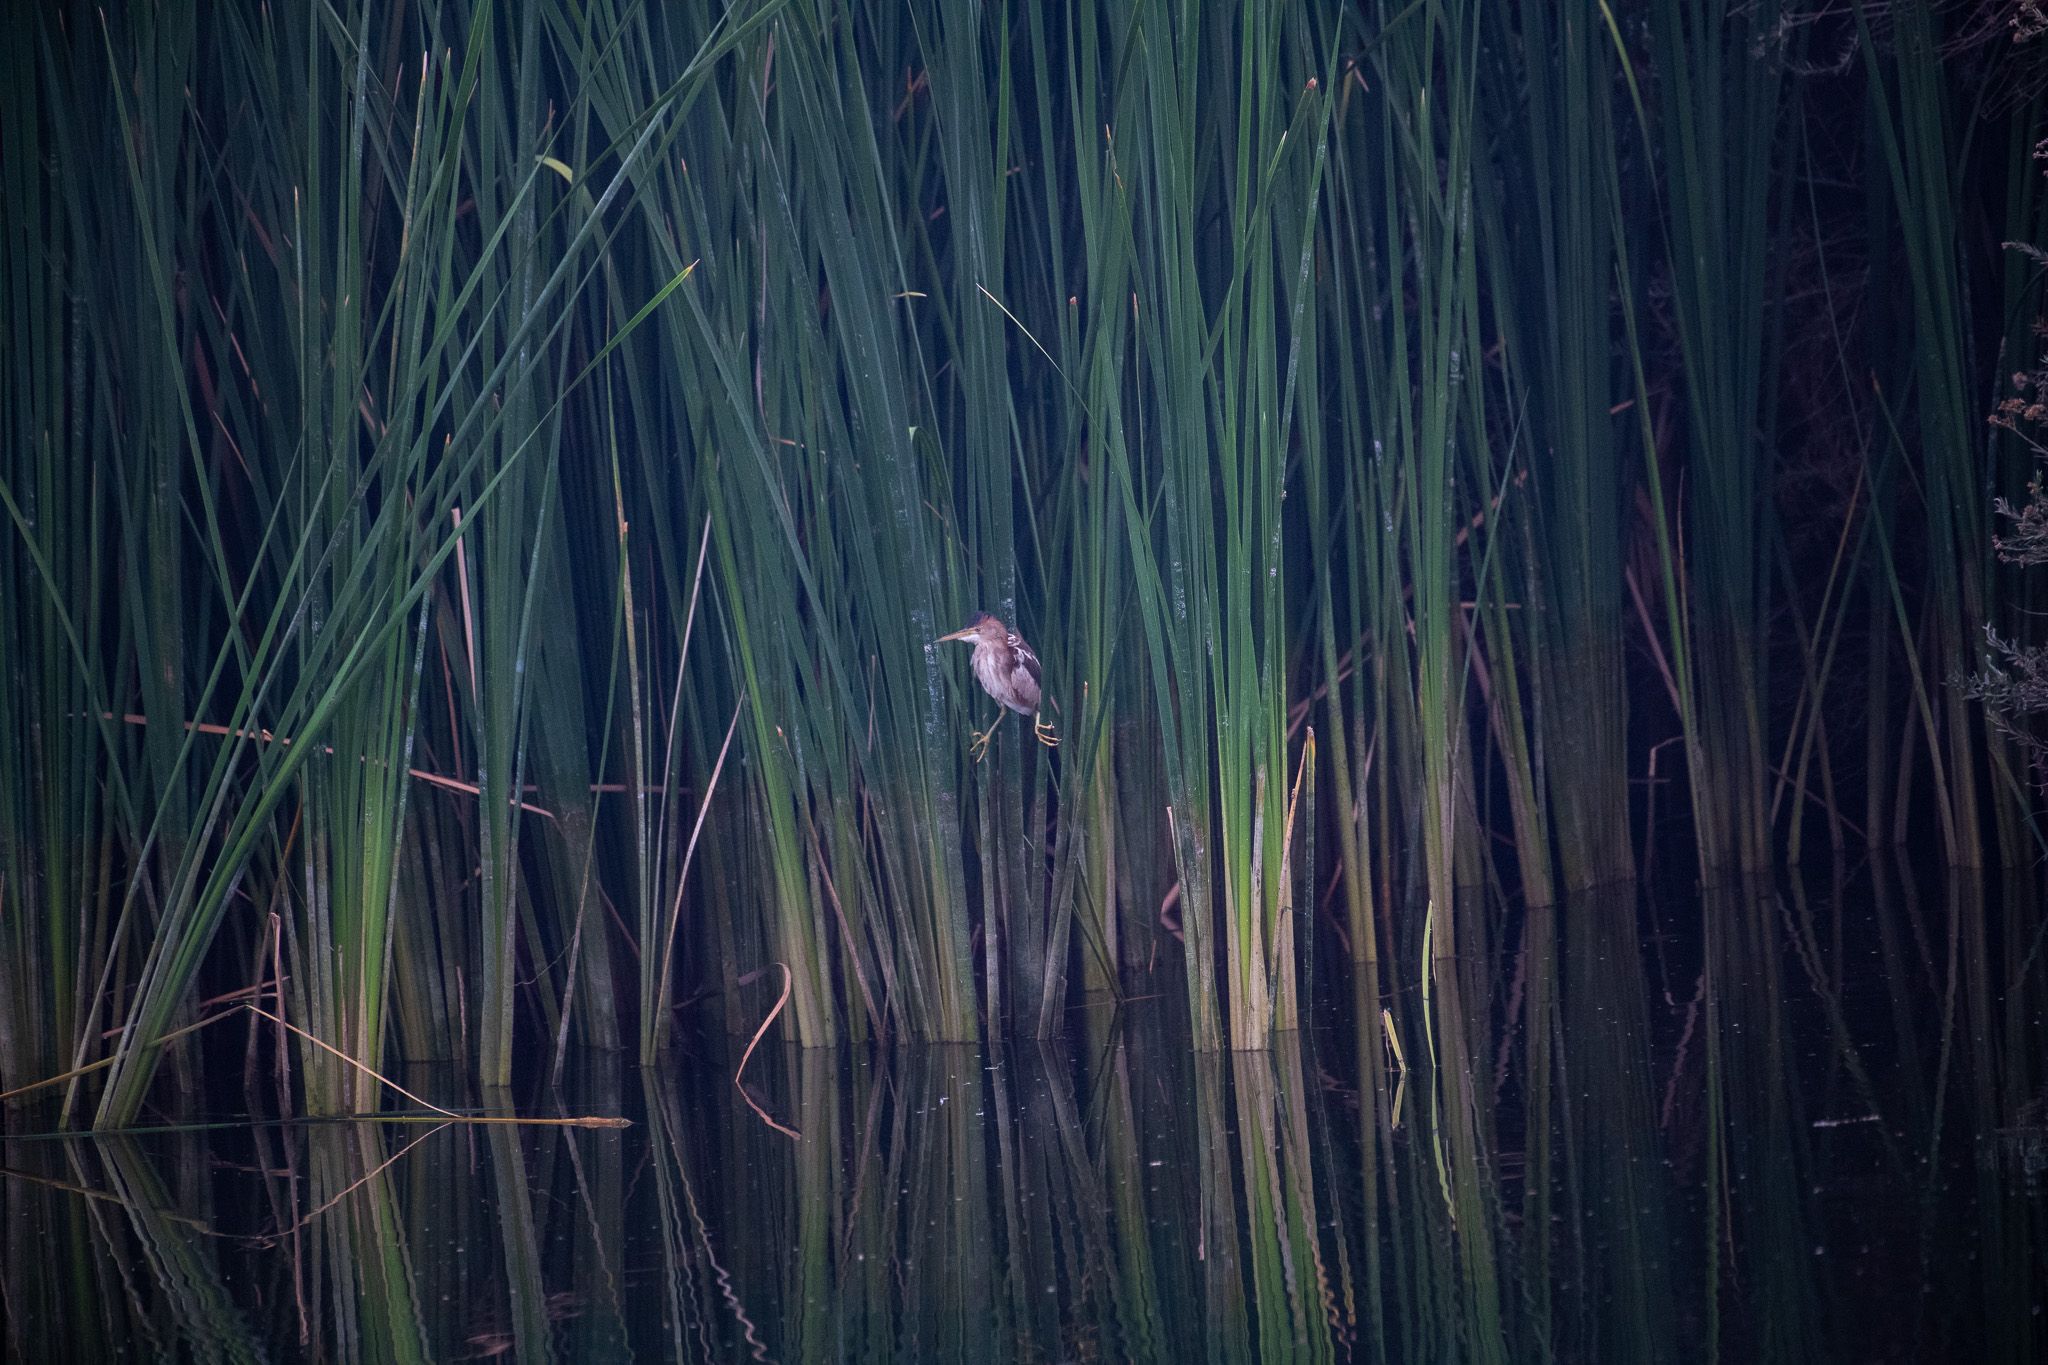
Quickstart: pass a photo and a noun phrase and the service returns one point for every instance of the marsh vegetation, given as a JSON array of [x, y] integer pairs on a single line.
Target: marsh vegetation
[[481, 487]]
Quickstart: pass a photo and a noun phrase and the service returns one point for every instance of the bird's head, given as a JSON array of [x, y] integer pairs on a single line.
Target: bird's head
[[981, 626]]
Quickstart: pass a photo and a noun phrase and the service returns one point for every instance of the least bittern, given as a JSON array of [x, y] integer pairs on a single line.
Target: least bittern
[[1007, 670]]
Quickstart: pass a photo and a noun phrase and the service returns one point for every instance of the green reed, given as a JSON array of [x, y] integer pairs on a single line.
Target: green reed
[[1551, 215], [482, 489], [1719, 120], [1926, 129]]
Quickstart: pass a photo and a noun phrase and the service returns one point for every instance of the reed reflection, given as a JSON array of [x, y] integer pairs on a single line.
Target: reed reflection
[[1611, 1155]]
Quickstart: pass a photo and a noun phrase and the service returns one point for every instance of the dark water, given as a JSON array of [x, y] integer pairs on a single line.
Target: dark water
[[1791, 1127]]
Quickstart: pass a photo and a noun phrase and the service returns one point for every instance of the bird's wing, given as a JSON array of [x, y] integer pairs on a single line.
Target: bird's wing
[[1027, 658]]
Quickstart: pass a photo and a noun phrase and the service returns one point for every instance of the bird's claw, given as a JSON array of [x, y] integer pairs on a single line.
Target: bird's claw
[[1044, 730], [981, 742]]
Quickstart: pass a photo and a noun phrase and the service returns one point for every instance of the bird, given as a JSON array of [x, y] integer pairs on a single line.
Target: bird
[[1007, 670]]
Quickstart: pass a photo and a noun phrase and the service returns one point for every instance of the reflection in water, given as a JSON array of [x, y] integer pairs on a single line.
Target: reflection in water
[[1822, 1138]]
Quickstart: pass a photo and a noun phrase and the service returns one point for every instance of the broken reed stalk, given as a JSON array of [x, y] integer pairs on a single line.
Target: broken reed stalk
[[754, 1042], [439, 1115]]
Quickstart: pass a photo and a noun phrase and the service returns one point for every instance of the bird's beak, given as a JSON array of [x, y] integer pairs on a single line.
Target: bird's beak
[[964, 633]]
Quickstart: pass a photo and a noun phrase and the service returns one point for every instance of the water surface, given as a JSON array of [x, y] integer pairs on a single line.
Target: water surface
[[1793, 1127]]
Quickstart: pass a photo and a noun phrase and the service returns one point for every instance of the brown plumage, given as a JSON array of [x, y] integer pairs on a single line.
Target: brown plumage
[[1007, 670]]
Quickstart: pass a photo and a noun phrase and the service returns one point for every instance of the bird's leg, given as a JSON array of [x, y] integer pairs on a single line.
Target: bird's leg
[[1043, 729], [981, 739]]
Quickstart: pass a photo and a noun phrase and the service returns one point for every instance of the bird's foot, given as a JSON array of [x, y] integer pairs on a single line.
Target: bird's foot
[[981, 742], [1047, 735]]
